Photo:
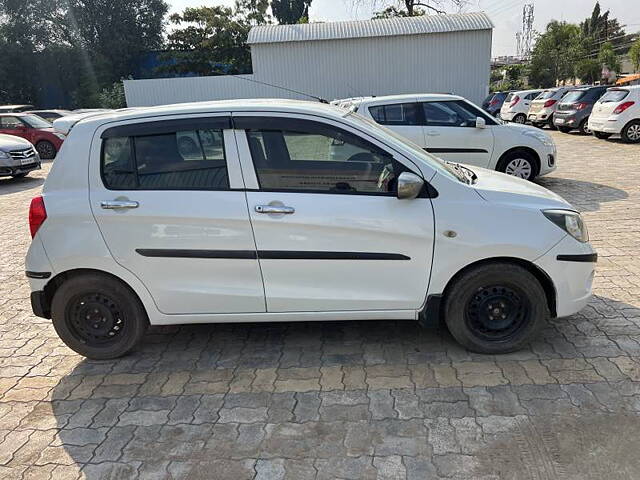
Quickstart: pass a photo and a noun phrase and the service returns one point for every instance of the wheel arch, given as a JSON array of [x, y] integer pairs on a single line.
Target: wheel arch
[[56, 282], [537, 272]]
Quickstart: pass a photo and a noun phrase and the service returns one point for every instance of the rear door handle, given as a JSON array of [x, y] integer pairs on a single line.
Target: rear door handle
[[275, 209], [118, 204]]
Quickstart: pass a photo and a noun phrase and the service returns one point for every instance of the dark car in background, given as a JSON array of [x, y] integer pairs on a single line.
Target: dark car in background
[[575, 108], [494, 104], [50, 115], [33, 128]]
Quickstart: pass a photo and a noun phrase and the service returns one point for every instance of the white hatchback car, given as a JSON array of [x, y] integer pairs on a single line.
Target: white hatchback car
[[617, 112], [516, 106], [259, 211], [544, 106], [454, 129]]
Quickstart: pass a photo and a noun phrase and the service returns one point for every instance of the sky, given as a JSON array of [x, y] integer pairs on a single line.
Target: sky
[[505, 14]]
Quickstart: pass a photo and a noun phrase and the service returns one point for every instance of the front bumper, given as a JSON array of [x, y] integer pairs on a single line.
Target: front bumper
[[7, 170], [572, 275]]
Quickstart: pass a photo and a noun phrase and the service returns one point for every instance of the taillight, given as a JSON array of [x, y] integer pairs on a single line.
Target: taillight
[[37, 215], [622, 107], [581, 105], [493, 102], [549, 103], [515, 100]]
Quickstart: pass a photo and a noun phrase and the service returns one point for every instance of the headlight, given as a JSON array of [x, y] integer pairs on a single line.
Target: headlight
[[4, 154], [541, 137], [61, 136], [570, 222]]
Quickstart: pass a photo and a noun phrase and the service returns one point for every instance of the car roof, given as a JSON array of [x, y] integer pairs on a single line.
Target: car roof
[[66, 123], [400, 98], [45, 110], [527, 91]]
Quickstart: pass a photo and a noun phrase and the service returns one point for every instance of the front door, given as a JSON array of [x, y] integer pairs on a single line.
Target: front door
[[331, 234], [168, 198], [451, 133]]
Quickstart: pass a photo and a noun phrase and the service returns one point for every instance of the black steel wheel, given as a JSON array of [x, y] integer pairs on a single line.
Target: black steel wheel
[[46, 150], [98, 316], [495, 308]]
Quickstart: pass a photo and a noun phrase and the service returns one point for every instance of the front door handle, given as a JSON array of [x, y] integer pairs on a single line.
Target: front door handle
[[433, 134], [118, 204], [275, 209]]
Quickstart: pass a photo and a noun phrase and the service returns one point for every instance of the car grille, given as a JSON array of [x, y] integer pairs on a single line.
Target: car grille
[[22, 154]]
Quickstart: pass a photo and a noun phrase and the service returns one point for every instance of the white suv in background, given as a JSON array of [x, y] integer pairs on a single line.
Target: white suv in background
[[276, 210], [544, 106], [516, 106], [617, 112], [456, 130]]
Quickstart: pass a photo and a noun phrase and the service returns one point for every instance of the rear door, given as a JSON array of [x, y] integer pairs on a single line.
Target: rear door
[[403, 118], [451, 133], [330, 231], [168, 198]]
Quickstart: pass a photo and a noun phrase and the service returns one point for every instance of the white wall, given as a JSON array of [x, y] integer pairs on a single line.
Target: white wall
[[456, 62]]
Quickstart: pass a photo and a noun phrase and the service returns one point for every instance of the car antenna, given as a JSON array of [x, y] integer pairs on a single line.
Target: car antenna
[[320, 99]]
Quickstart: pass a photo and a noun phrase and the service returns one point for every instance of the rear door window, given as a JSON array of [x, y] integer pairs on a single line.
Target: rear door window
[[614, 96], [180, 160], [395, 114]]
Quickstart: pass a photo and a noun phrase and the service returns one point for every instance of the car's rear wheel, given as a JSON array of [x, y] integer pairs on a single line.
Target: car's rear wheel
[[520, 118], [495, 308], [602, 135], [552, 125], [584, 127], [631, 133], [46, 149], [98, 316], [564, 129], [519, 163]]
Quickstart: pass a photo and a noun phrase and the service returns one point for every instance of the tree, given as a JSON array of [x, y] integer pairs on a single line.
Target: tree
[[412, 8], [608, 58], [634, 55], [113, 96], [556, 54], [589, 70], [291, 11], [210, 40]]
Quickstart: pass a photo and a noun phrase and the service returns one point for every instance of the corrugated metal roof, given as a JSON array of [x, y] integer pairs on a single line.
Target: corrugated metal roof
[[370, 28]]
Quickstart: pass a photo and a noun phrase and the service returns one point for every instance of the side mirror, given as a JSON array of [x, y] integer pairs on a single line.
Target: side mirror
[[481, 123], [409, 186]]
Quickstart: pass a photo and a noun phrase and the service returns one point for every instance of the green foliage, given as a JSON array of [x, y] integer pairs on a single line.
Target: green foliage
[[113, 96], [555, 55], [634, 55], [608, 58], [599, 28], [392, 11], [291, 11], [589, 70]]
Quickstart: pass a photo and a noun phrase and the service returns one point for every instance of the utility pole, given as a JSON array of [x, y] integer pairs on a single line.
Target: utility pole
[[524, 39]]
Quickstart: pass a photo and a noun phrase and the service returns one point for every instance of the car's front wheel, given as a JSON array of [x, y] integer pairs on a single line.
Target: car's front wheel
[[631, 133], [495, 308], [98, 316], [602, 135], [46, 149], [519, 163]]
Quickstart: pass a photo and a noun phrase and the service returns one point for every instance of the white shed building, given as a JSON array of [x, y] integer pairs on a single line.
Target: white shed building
[[443, 53]]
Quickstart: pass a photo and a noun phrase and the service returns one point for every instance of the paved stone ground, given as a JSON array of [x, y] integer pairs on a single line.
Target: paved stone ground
[[339, 400]]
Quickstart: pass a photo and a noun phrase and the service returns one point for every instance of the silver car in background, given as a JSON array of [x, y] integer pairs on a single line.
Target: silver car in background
[[544, 106], [18, 157]]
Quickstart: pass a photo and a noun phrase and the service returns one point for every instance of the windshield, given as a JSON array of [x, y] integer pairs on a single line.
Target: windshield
[[403, 143], [573, 96], [509, 97], [35, 122], [614, 96]]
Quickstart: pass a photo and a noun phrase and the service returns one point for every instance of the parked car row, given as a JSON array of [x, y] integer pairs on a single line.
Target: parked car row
[[601, 110]]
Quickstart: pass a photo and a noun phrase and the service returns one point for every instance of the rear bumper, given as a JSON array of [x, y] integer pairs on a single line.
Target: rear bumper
[[571, 265], [11, 170], [507, 116], [543, 116], [40, 304], [605, 125], [570, 120]]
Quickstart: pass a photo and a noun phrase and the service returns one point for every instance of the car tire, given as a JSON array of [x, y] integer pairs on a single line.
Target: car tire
[[602, 135], [519, 163], [495, 308], [46, 149], [631, 132], [584, 127], [520, 118], [98, 316], [564, 129], [20, 175], [552, 125]]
